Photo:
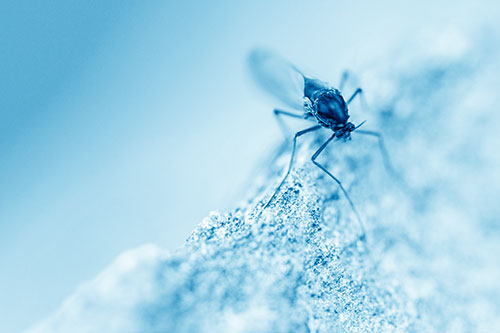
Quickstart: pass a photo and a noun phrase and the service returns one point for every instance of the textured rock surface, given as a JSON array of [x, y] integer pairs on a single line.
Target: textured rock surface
[[429, 262]]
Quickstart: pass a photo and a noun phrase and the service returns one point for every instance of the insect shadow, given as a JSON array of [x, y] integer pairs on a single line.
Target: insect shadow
[[317, 102]]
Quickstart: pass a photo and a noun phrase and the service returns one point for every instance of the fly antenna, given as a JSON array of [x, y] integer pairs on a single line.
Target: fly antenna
[[364, 121]]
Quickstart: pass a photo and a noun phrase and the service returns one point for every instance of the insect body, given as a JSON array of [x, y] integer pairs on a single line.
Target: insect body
[[317, 101], [329, 108]]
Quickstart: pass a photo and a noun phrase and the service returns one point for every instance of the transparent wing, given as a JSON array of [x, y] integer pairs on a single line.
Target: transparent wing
[[278, 77]]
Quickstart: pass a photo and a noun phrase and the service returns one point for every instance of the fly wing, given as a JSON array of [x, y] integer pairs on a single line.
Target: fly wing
[[278, 77]]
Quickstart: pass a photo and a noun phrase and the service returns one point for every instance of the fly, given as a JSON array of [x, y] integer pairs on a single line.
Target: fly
[[317, 101]]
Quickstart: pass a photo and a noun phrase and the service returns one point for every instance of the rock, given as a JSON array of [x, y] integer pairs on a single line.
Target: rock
[[428, 262]]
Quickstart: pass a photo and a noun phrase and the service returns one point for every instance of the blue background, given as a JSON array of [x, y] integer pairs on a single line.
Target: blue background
[[123, 123]]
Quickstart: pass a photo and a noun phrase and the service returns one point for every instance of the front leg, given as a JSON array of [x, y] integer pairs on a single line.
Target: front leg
[[300, 133], [313, 158]]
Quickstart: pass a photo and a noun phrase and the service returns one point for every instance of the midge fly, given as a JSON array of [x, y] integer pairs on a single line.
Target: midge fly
[[318, 102]]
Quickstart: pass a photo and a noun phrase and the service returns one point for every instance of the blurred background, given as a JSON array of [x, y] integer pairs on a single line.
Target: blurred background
[[124, 123]]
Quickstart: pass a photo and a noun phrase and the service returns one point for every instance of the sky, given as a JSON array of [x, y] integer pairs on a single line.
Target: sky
[[125, 123]]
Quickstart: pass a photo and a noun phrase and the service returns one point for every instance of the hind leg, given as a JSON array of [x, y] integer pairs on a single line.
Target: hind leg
[[279, 118]]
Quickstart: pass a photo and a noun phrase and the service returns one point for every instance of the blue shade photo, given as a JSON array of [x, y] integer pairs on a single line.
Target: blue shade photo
[[249, 166]]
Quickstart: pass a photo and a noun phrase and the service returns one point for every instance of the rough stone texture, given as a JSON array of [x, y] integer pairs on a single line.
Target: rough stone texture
[[429, 263]]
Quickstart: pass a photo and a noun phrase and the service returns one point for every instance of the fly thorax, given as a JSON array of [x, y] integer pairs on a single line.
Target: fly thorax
[[329, 107]]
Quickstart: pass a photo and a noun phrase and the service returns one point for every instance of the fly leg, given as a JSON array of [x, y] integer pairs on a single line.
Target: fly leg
[[343, 79], [279, 113], [300, 133], [383, 150], [313, 158], [362, 99], [358, 91], [332, 197]]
